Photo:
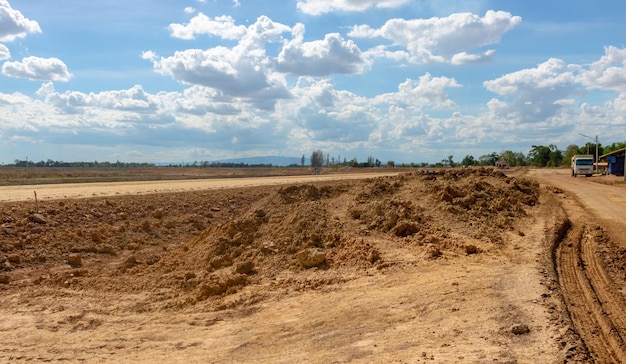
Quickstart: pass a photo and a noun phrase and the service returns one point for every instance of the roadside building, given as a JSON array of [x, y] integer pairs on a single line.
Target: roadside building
[[615, 161]]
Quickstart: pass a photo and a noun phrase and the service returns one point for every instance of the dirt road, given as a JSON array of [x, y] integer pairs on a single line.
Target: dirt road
[[593, 294], [102, 189]]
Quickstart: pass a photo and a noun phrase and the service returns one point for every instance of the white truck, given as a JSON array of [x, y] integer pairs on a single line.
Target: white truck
[[582, 164]]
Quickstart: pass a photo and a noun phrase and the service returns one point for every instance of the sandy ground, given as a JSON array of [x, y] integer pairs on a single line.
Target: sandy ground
[[102, 189], [417, 296]]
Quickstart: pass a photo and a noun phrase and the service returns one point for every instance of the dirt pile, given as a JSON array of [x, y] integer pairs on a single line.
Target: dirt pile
[[223, 249]]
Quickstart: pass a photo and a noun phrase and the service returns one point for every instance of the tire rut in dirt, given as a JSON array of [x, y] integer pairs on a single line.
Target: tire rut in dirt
[[591, 298]]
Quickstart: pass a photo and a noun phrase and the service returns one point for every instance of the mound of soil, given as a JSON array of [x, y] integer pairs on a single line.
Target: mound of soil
[[223, 249]]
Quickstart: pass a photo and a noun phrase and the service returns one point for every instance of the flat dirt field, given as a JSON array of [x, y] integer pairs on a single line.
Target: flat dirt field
[[431, 266]]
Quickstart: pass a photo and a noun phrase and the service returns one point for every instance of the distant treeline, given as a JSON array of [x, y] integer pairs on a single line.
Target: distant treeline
[[95, 164], [538, 156], [206, 164]]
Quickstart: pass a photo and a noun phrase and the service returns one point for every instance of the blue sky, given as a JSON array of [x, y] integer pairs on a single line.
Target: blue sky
[[408, 81]]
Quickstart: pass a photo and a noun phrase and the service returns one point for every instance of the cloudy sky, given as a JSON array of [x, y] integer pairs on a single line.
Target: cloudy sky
[[401, 80]]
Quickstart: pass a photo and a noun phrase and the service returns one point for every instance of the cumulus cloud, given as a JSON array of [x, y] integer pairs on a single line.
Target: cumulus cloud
[[331, 55], [467, 58], [36, 68], [4, 52], [341, 120], [221, 26], [321, 113], [229, 71], [244, 71], [425, 93], [200, 101], [134, 100], [552, 74], [135, 117], [383, 52], [318, 7], [607, 73], [13, 24], [536, 94], [443, 39]]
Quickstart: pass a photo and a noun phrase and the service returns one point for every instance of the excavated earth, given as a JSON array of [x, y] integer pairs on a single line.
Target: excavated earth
[[429, 266]]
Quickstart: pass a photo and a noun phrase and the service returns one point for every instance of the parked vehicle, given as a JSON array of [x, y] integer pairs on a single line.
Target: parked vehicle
[[582, 164]]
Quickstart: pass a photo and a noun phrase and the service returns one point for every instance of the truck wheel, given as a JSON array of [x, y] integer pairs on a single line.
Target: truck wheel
[[588, 175]]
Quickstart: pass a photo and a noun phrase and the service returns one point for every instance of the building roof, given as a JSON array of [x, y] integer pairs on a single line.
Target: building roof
[[615, 152]]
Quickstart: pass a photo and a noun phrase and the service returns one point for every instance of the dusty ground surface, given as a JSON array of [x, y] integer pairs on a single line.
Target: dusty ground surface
[[468, 266], [101, 189], [591, 258]]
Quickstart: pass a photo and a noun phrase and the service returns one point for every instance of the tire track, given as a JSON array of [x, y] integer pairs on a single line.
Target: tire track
[[595, 306], [606, 291], [594, 301]]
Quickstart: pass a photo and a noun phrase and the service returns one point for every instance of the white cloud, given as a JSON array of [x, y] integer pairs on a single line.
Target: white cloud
[[4, 52], [331, 55], [322, 114], [15, 98], [244, 71], [425, 93], [221, 26], [134, 117], [228, 71], [550, 75], [190, 10], [441, 39], [467, 58], [383, 52], [536, 94], [36, 68], [134, 100], [318, 7], [149, 55], [199, 100], [13, 24], [607, 73]]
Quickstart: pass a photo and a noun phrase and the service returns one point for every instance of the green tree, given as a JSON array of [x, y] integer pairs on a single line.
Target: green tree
[[468, 161], [570, 151], [613, 147], [513, 159], [539, 155], [556, 157], [488, 159], [545, 156]]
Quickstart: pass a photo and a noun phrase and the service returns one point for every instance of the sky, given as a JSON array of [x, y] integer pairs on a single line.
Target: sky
[[405, 81]]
